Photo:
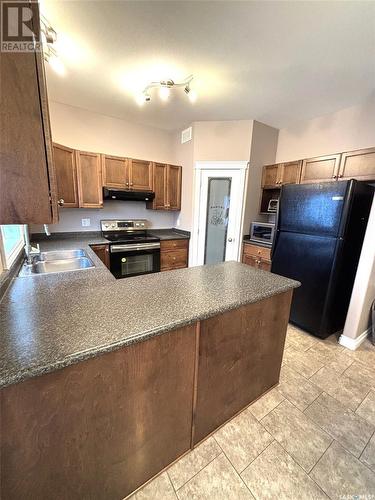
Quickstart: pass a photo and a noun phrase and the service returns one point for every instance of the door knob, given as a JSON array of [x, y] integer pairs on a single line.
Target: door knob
[[230, 240]]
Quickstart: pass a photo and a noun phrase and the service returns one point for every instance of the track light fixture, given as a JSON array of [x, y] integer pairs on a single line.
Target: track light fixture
[[165, 87]]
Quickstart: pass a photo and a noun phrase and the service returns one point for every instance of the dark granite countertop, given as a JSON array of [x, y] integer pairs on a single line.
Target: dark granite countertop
[[170, 234], [48, 322]]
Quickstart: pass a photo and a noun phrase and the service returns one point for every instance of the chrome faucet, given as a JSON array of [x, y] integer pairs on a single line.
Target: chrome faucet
[[30, 251]]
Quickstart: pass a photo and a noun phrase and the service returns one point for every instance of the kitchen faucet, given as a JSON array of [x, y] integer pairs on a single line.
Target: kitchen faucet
[[30, 251]]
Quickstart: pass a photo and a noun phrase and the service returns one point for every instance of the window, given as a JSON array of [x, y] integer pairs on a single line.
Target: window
[[12, 243]]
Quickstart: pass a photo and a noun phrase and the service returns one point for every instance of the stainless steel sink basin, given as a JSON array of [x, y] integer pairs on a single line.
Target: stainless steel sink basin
[[62, 254], [58, 262]]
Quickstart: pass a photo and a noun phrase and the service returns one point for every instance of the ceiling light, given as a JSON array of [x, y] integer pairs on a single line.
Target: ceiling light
[[164, 87], [164, 93]]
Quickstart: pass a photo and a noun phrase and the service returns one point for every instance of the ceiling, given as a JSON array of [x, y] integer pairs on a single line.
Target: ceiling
[[276, 62]]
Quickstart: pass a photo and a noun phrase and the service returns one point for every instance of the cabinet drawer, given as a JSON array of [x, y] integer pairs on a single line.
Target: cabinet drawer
[[173, 259], [174, 245], [257, 251]]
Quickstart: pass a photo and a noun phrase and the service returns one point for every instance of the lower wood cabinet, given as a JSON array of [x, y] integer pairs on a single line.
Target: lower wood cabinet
[[174, 254], [257, 256], [102, 251]]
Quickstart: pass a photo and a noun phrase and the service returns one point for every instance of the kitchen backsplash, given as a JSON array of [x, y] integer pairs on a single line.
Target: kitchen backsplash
[[71, 218]]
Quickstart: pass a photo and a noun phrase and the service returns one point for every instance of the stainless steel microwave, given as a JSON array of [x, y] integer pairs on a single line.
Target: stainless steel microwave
[[262, 232]]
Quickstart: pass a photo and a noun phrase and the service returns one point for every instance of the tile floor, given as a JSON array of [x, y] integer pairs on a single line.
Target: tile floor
[[312, 437]]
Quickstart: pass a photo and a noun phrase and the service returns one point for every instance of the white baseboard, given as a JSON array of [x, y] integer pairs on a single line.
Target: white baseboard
[[353, 344]]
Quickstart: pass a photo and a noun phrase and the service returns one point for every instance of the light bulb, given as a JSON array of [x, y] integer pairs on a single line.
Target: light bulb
[[164, 93], [57, 65], [192, 95]]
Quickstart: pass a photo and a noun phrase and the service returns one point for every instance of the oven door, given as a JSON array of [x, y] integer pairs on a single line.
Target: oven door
[[134, 259]]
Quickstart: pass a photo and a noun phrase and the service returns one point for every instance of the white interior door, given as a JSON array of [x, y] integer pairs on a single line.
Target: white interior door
[[220, 215]]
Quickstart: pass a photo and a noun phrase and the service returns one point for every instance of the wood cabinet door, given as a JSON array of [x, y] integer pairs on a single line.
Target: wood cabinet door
[[140, 175], [250, 260], [66, 176], [358, 164], [89, 174], [28, 184], [114, 172], [270, 176], [290, 172], [102, 251], [159, 186], [320, 169], [265, 265], [174, 187]]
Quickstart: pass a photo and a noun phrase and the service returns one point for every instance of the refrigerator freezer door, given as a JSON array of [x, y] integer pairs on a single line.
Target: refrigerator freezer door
[[312, 208], [308, 259]]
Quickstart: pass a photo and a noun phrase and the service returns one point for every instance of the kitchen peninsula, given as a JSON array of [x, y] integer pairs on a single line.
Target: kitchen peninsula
[[106, 382]]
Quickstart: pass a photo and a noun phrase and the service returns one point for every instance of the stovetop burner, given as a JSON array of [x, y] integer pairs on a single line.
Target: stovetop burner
[[127, 231]]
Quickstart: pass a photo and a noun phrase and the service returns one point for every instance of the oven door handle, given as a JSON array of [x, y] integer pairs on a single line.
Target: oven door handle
[[131, 247]]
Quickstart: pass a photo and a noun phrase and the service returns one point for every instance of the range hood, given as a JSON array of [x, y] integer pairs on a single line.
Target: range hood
[[123, 194]]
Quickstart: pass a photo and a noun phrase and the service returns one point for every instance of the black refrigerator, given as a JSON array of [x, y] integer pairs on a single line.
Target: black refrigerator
[[319, 235]]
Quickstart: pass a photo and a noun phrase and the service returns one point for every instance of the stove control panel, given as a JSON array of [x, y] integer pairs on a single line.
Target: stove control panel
[[124, 225]]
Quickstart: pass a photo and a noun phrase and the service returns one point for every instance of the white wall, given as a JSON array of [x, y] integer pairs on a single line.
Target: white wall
[[345, 130], [358, 318], [88, 131]]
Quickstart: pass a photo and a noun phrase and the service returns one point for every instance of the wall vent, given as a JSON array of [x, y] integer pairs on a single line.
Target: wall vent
[[186, 135]]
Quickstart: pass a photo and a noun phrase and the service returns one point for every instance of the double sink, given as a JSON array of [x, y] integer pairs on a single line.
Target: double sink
[[57, 262]]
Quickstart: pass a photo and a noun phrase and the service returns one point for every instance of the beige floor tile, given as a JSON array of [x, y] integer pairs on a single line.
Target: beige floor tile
[[304, 362], [342, 476], [345, 389], [275, 475], [296, 388], [298, 435], [217, 481], [368, 455], [193, 462], [242, 439], [299, 339], [349, 429], [337, 360], [361, 373], [365, 353], [366, 409], [158, 489], [266, 403]]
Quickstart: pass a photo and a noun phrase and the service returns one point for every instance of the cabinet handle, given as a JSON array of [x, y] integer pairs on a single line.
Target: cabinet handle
[[341, 175], [334, 176], [127, 183], [60, 202], [131, 183]]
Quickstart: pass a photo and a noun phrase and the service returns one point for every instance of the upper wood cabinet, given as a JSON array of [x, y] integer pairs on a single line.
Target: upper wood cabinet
[[140, 175], [320, 169], [127, 173], [174, 187], [89, 176], [167, 187], [270, 175], [66, 176], [358, 164], [281, 173], [159, 187], [28, 184], [115, 171]]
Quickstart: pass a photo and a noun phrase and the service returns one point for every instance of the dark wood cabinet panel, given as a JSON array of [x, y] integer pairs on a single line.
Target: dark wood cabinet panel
[[140, 175], [102, 251], [320, 169], [358, 164], [174, 187], [102, 427], [240, 354], [89, 174], [115, 172], [66, 176], [27, 179]]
